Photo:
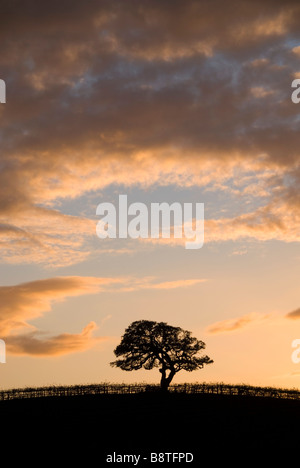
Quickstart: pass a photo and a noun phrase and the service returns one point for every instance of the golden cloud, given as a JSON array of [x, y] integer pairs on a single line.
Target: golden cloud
[[32, 344], [25, 302], [231, 325]]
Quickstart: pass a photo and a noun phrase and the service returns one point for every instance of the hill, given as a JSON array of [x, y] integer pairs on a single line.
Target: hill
[[101, 425]]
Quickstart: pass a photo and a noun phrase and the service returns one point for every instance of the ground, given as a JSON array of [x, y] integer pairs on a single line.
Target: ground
[[91, 427]]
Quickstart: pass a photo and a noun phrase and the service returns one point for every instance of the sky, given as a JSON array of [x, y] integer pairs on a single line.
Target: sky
[[163, 101]]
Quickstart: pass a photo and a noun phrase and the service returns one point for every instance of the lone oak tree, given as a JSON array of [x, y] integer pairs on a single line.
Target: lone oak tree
[[146, 344]]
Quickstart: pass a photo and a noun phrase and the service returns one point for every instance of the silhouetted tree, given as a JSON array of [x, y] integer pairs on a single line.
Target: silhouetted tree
[[146, 344]]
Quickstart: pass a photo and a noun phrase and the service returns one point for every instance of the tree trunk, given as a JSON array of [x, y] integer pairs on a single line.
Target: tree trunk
[[165, 381]]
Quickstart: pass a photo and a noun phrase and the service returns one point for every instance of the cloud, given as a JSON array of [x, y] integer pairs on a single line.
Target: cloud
[[22, 303], [231, 325], [163, 93], [296, 50], [154, 284], [27, 301], [176, 284], [85, 52], [294, 315], [273, 221], [46, 236], [31, 344], [260, 92]]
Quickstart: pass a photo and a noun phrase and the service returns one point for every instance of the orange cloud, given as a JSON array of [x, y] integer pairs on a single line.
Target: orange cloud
[[25, 302], [152, 283], [175, 284], [281, 222], [231, 325], [31, 344], [294, 315]]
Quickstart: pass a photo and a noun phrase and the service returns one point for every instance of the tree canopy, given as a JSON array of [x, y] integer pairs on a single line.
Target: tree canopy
[[147, 344]]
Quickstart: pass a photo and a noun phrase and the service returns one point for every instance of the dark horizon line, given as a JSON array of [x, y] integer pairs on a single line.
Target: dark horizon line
[[105, 388]]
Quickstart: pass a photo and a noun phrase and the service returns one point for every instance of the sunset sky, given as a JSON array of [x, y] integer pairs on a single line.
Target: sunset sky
[[165, 101]]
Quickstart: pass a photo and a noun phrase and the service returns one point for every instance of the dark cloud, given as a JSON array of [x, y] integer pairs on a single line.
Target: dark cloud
[[117, 77], [294, 315]]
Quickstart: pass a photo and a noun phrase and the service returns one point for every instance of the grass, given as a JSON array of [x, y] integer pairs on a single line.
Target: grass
[[136, 388]]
